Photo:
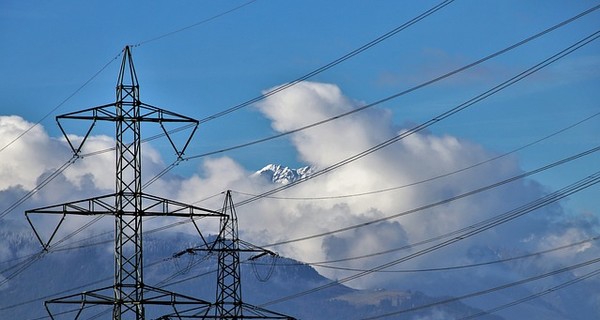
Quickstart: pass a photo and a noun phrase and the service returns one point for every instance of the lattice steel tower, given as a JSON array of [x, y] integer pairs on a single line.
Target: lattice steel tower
[[129, 295], [228, 246]]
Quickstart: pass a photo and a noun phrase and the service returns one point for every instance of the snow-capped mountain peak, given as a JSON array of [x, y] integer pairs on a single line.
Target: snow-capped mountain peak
[[283, 175]]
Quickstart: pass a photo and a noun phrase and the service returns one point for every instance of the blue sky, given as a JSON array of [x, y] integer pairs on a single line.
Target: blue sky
[[50, 49], [214, 61]]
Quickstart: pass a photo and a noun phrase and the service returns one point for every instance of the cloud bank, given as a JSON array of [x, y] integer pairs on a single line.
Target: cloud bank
[[420, 157], [416, 158]]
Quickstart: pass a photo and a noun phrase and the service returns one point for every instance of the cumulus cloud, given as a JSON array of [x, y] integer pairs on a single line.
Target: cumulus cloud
[[34, 157], [416, 158], [30, 156]]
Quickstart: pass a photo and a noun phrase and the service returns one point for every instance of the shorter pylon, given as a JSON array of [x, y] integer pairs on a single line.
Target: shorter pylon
[[229, 304]]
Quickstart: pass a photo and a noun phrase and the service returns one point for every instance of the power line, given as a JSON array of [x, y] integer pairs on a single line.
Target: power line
[[364, 224], [115, 58], [8, 210], [333, 63], [464, 266], [40, 185], [467, 233], [413, 245], [536, 295], [444, 201], [394, 96], [193, 25], [431, 178], [339, 230], [494, 289], [70, 162], [414, 210], [296, 239], [579, 44], [348, 113], [63, 102]]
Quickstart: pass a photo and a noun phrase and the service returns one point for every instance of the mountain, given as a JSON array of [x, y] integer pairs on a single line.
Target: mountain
[[559, 304], [280, 284], [283, 175], [90, 267]]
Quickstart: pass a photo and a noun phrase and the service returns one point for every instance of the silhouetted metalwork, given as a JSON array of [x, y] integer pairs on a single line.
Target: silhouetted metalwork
[[229, 304], [129, 204]]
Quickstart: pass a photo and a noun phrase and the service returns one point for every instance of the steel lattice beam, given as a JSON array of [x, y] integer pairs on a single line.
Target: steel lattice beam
[[129, 205], [229, 304]]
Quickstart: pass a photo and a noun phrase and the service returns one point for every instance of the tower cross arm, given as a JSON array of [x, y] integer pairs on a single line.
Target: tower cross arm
[[107, 112], [158, 206], [92, 206], [103, 112], [156, 114], [151, 206]]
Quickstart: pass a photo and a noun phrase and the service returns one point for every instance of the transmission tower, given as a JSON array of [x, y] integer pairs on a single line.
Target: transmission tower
[[229, 304], [129, 295]]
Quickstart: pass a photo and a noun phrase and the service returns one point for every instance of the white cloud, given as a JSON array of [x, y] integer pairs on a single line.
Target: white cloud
[[35, 156], [28, 157], [418, 157]]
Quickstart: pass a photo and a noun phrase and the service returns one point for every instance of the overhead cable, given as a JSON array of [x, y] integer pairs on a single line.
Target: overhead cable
[[442, 116], [326, 264], [39, 186], [404, 213], [494, 289], [62, 102], [444, 201], [177, 161], [366, 193], [394, 96], [331, 64], [536, 295], [193, 25], [404, 134], [469, 232], [163, 283], [70, 162], [8, 210], [70, 290]]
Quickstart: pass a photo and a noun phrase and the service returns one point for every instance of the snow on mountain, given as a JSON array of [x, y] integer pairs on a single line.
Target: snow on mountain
[[283, 175]]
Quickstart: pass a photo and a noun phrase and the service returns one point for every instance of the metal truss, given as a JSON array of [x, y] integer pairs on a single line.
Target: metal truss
[[129, 204], [105, 297], [229, 304]]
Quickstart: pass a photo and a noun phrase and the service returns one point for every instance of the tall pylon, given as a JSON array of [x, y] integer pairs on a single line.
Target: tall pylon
[[129, 205], [229, 304]]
